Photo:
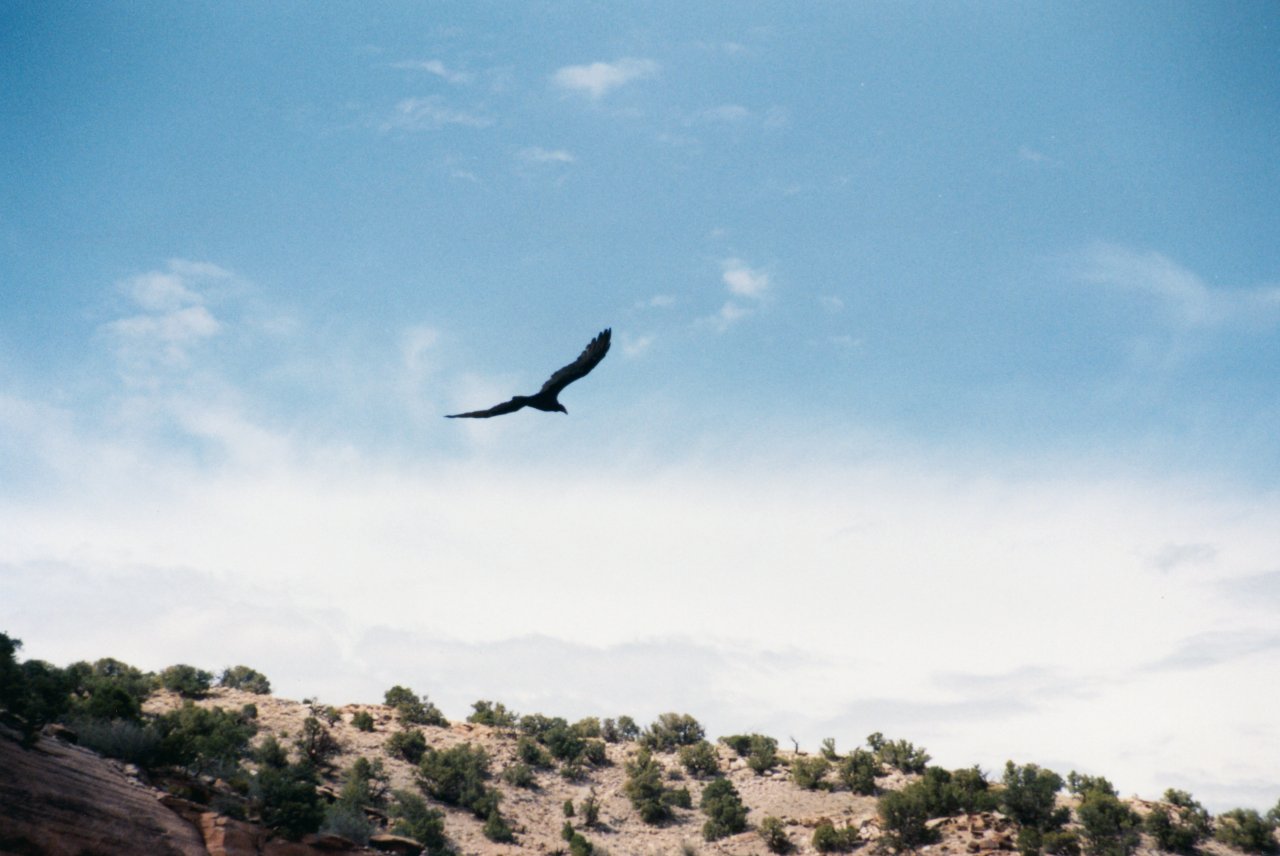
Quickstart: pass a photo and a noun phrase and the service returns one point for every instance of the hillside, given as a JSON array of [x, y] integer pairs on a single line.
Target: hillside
[[183, 811]]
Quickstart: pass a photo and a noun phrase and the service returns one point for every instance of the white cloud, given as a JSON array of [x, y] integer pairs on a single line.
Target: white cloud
[[726, 113], [599, 78], [743, 280], [173, 321], [831, 303], [658, 301], [430, 113], [633, 346], [436, 67], [535, 154], [1187, 299], [250, 562]]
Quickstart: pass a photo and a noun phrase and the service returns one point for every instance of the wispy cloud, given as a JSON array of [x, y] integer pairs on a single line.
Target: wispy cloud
[[174, 317], [744, 280], [538, 155], [658, 301], [1204, 650], [599, 78], [430, 113], [436, 67], [1186, 298]]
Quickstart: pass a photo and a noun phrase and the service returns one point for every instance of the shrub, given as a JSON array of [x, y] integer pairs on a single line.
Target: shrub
[[520, 775], [186, 681], [726, 815], [590, 809], [270, 753], [408, 745], [204, 740], [316, 742], [904, 816], [1081, 784], [763, 754], [972, 791], [411, 710], [124, 739], [1029, 797], [245, 678], [671, 731], [1060, 842], [739, 743], [829, 749], [496, 828], [286, 800], [827, 838], [348, 820], [809, 772], [1247, 830], [678, 798], [578, 845], [588, 728], [902, 755], [412, 818], [645, 789], [1182, 829], [528, 751], [774, 834], [627, 729], [494, 714], [700, 759], [858, 771], [1110, 827], [365, 783], [363, 720], [456, 776]]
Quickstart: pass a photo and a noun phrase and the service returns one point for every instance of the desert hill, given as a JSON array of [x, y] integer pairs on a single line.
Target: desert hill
[[57, 797]]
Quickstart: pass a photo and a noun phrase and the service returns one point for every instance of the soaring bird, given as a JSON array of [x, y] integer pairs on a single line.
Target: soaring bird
[[547, 397]]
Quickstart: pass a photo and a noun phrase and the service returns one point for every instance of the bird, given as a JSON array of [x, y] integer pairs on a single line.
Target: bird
[[546, 399]]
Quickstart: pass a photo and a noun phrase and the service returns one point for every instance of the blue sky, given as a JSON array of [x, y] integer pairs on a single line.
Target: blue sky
[[942, 401]]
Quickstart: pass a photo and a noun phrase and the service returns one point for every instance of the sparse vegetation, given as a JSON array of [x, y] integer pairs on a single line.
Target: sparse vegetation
[[726, 815], [829, 838], [245, 678], [774, 834], [1029, 797], [645, 788], [904, 817], [411, 817], [810, 772], [362, 721], [1247, 830], [700, 759], [186, 681], [408, 745], [858, 770], [899, 754], [492, 713], [1182, 829], [670, 731], [412, 710]]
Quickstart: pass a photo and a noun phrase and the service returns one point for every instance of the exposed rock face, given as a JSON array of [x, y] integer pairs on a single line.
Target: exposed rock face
[[57, 799]]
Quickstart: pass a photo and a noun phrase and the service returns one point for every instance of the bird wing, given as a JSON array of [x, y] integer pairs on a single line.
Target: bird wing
[[591, 355], [497, 410]]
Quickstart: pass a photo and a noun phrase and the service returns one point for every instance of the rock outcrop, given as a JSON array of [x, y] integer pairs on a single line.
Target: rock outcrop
[[58, 799]]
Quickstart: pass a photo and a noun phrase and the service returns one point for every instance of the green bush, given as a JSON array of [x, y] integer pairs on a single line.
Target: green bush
[[496, 828], [316, 742], [590, 809], [810, 772], [519, 775], [245, 678], [1081, 784], [1182, 829], [670, 731], [902, 755], [828, 838], [904, 817], [774, 834], [456, 776], [726, 815], [700, 759], [972, 791], [530, 752], [858, 770], [1247, 830], [365, 783], [1111, 828], [408, 745], [588, 728], [412, 817], [1029, 797], [829, 749], [1059, 842], [739, 743], [204, 740], [348, 820], [186, 681], [286, 800], [579, 846], [493, 714], [412, 710], [124, 739], [363, 720], [763, 754], [644, 787], [270, 753]]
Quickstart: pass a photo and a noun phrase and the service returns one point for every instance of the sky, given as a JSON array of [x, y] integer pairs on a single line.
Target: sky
[[942, 401]]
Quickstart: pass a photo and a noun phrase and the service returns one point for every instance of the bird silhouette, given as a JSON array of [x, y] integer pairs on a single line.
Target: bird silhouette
[[547, 397]]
